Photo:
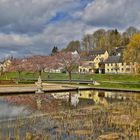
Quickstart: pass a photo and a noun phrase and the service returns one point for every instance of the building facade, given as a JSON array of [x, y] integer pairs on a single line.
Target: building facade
[[115, 65], [90, 64]]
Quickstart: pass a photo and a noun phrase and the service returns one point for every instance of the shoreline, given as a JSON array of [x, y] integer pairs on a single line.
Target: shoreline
[[49, 88]]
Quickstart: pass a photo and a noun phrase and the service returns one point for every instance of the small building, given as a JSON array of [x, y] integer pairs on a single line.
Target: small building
[[54, 70], [118, 51], [87, 67], [6, 63]]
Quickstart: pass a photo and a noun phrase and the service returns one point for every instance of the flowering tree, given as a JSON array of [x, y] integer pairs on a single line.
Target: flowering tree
[[16, 65], [68, 61], [35, 63]]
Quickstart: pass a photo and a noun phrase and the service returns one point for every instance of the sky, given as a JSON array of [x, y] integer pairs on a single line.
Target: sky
[[31, 27]]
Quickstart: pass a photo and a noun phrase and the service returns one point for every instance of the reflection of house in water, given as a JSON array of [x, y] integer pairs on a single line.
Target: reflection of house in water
[[62, 95], [72, 97], [101, 97], [112, 97], [121, 96], [93, 97]]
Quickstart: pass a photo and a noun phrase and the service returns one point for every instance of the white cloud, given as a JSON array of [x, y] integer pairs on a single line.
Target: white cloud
[[29, 15], [113, 13], [14, 39], [55, 34], [26, 26]]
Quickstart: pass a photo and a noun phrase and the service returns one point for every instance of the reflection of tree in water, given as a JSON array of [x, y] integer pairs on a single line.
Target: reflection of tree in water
[[46, 102]]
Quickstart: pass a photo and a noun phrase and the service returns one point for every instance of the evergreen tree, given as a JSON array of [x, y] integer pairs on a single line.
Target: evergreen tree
[[54, 50]]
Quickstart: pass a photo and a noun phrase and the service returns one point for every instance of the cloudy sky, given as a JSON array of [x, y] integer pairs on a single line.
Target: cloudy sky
[[34, 26]]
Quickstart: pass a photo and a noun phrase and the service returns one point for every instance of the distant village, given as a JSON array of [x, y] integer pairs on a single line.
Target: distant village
[[103, 52], [104, 63], [99, 61]]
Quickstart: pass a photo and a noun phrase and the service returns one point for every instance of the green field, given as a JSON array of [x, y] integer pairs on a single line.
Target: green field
[[64, 76], [106, 80]]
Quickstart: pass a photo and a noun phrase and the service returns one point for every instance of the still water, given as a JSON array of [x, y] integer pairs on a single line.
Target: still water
[[84, 115]]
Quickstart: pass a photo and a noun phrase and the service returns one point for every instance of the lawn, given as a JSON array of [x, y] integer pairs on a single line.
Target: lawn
[[107, 80], [120, 86]]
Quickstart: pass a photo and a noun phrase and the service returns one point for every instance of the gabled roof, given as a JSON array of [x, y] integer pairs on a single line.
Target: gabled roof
[[118, 50], [88, 58], [84, 64], [98, 52], [113, 59]]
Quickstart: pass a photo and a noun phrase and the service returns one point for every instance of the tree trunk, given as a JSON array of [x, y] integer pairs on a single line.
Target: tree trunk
[[40, 73], [6, 76], [19, 75], [1, 72], [69, 99], [137, 68], [69, 76]]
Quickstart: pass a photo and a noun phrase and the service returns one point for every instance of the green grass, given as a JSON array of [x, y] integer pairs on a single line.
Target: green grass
[[120, 86], [104, 79], [64, 76], [98, 77]]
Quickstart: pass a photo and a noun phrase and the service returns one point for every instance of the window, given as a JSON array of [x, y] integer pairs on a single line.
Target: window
[[127, 69], [90, 70], [89, 95]]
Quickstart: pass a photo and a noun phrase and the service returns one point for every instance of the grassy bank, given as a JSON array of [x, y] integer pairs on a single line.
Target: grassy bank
[[120, 86], [64, 76], [106, 80]]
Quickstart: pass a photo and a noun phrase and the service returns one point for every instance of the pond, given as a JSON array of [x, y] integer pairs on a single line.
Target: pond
[[80, 115]]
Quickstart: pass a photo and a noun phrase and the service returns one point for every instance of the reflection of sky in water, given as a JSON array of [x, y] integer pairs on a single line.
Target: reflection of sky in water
[[11, 111]]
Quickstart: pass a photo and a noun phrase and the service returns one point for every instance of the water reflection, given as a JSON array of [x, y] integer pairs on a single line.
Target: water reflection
[[105, 97], [69, 116], [96, 97], [10, 111]]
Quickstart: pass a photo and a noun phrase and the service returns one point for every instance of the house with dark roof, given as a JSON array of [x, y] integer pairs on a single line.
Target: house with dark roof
[[90, 63], [115, 64], [118, 51], [97, 52]]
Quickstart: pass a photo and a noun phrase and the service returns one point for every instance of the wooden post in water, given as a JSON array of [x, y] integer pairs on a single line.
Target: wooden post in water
[[69, 99]]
